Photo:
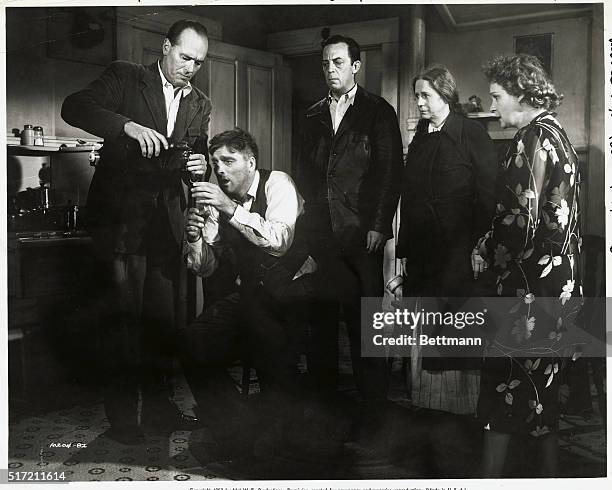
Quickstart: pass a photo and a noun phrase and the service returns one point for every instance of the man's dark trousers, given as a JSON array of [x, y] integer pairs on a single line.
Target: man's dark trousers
[[346, 273], [249, 326], [139, 325]]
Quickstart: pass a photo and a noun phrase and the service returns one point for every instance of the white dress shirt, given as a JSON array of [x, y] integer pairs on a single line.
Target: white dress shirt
[[173, 99], [272, 233], [338, 108]]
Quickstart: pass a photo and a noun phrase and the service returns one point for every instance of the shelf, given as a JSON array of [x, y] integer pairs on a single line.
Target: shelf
[[54, 241], [488, 116], [27, 150], [48, 238]]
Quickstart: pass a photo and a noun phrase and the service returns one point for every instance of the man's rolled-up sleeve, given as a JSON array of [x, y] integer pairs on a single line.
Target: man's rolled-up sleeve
[[201, 258], [202, 255]]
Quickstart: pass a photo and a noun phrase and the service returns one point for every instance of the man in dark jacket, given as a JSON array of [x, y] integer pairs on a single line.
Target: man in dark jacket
[[348, 171], [135, 207]]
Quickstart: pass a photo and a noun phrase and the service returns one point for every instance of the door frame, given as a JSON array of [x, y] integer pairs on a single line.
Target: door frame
[[383, 33]]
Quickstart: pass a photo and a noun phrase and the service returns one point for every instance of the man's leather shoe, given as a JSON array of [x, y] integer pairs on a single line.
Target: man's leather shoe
[[169, 423], [163, 416], [186, 422]]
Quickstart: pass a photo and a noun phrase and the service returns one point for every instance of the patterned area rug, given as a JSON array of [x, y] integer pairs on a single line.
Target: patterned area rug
[[586, 440], [70, 441]]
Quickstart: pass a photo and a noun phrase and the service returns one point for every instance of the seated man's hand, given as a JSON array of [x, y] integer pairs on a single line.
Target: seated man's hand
[[150, 141], [404, 264], [375, 241], [196, 164], [195, 224], [207, 193], [478, 263]]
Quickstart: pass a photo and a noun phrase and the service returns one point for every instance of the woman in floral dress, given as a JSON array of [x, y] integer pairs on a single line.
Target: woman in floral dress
[[533, 248]]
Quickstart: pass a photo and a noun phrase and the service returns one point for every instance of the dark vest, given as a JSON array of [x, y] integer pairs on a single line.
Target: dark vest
[[254, 265]]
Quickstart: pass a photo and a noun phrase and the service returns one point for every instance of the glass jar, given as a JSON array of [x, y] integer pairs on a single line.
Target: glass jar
[[39, 137]]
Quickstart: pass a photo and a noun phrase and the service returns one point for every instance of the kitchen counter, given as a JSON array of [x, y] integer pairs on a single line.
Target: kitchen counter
[[31, 150], [50, 237]]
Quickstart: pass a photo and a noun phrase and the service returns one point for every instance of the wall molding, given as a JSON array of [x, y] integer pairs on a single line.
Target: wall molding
[[561, 13], [308, 41], [382, 33], [159, 19]]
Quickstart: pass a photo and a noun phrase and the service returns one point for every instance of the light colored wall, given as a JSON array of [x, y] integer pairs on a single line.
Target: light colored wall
[[36, 85], [577, 71], [596, 177], [464, 52]]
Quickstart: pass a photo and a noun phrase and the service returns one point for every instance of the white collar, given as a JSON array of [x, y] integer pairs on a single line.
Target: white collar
[[254, 185], [348, 97], [252, 192], [185, 91], [435, 129]]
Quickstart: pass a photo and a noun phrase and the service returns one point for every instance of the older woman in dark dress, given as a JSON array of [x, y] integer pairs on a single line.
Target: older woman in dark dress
[[533, 247], [447, 203], [447, 190]]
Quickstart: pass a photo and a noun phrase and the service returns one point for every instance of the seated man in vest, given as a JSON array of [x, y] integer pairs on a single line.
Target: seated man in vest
[[249, 219]]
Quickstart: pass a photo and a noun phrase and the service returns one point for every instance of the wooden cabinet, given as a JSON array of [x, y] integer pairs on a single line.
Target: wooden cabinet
[[52, 322]]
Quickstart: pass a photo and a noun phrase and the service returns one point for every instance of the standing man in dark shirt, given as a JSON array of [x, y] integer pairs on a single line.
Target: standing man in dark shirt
[[348, 172], [135, 206]]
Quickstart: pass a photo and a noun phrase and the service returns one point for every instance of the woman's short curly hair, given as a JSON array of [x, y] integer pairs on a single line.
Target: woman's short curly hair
[[523, 74]]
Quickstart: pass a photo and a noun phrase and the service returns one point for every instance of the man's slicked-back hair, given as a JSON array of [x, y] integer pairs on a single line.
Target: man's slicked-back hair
[[235, 139], [353, 48], [179, 26]]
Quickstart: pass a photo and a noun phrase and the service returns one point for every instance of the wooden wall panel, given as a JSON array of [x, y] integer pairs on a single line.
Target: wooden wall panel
[[281, 153], [222, 91], [260, 93]]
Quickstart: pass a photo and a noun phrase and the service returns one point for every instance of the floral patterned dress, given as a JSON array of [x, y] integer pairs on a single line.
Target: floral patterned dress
[[533, 248]]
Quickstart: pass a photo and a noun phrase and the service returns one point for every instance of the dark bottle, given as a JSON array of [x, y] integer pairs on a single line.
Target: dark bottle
[[71, 221], [172, 158], [178, 154]]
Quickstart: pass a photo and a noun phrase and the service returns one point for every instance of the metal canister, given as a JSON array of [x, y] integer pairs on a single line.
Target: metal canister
[[94, 157], [39, 136], [27, 135]]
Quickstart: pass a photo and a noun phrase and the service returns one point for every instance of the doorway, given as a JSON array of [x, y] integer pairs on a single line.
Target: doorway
[[309, 86]]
